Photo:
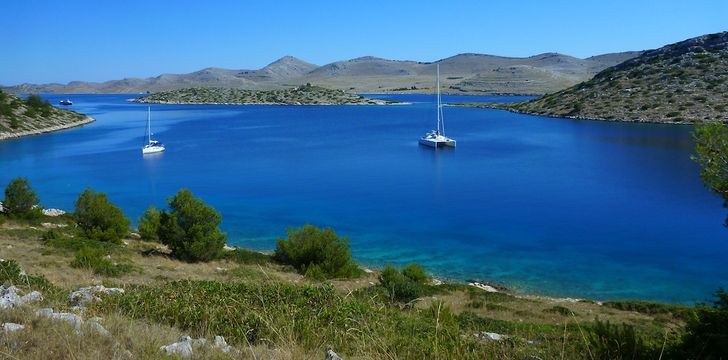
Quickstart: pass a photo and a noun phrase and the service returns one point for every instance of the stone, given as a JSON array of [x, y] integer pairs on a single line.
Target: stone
[[53, 212], [221, 344], [331, 355], [490, 336], [10, 327], [134, 236], [44, 312], [182, 348], [483, 287], [100, 329], [87, 295], [9, 297]]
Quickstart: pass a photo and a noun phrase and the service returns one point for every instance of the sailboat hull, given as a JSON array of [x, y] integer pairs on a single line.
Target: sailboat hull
[[438, 143], [152, 149]]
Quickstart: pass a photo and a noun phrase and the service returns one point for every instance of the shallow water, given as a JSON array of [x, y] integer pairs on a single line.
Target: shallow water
[[549, 206]]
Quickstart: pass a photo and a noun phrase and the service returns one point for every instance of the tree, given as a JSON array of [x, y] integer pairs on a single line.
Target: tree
[[20, 199], [191, 229], [711, 146], [317, 253], [149, 224], [99, 219]]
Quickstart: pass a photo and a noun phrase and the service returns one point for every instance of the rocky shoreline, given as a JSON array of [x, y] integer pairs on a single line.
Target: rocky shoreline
[[19, 134]]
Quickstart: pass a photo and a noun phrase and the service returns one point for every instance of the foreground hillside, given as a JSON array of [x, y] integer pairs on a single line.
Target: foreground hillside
[[302, 95], [20, 117], [683, 82], [461, 74]]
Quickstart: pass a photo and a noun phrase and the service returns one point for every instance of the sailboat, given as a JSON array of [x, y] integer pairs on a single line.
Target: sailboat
[[436, 138], [151, 146]]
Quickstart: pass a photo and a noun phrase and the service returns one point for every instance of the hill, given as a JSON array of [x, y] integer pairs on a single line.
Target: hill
[[683, 82], [464, 73], [302, 95], [20, 117]]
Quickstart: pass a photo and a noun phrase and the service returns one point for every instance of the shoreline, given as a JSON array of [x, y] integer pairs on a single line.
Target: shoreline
[[6, 136], [382, 103], [516, 111]]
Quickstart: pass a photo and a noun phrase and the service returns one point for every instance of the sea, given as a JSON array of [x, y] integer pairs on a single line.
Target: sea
[[545, 206]]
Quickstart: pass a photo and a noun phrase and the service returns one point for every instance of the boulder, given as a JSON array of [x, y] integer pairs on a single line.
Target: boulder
[[10, 327], [183, 347], [490, 336], [10, 297], [221, 344], [53, 212]]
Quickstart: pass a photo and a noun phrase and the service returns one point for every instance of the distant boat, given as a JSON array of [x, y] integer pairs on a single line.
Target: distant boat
[[436, 138], [151, 146], [66, 102]]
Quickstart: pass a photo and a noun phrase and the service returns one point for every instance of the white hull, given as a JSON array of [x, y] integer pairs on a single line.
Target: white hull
[[152, 149], [438, 143]]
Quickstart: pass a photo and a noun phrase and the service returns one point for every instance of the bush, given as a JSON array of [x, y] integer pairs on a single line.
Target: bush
[[401, 287], [319, 254], [245, 256], [10, 274], [610, 342], [416, 273], [707, 331], [93, 259], [20, 200], [99, 219], [149, 224], [191, 229]]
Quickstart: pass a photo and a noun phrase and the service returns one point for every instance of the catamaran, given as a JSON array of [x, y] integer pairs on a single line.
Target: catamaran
[[436, 138], [152, 146]]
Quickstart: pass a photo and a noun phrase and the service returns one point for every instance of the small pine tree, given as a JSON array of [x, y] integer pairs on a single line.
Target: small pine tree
[[191, 228], [20, 199], [99, 219], [149, 224]]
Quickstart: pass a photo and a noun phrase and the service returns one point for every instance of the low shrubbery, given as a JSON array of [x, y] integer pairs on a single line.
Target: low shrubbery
[[99, 219], [149, 224], [95, 259], [405, 285], [191, 228], [317, 253], [245, 256]]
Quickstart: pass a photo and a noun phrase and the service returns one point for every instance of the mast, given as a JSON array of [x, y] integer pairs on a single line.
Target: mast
[[438, 98], [149, 124]]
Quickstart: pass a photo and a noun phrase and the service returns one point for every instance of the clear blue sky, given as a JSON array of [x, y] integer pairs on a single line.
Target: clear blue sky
[[60, 41]]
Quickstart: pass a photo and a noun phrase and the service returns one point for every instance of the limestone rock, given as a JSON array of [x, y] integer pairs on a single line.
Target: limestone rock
[[183, 347], [10, 327], [222, 344], [87, 295], [53, 212], [331, 355], [490, 336], [10, 297]]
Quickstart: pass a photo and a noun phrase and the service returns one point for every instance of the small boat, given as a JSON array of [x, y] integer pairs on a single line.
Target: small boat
[[66, 102], [151, 146], [436, 138]]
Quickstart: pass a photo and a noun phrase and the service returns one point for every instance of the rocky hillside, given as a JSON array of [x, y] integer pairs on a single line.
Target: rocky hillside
[[302, 95], [20, 117], [678, 83], [463, 73]]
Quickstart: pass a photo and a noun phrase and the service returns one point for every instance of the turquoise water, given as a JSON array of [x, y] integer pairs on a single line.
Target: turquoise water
[[549, 206]]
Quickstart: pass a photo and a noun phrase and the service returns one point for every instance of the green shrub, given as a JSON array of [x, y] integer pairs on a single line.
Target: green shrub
[[20, 200], [11, 274], [398, 286], [93, 259], [707, 331], [416, 273], [99, 219], [149, 224], [558, 309], [321, 252], [191, 229]]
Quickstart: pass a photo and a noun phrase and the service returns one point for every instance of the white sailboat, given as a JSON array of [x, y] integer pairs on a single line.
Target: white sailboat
[[436, 138], [151, 146]]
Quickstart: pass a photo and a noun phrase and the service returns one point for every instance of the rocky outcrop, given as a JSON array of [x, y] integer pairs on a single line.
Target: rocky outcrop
[[10, 297], [84, 296], [186, 345]]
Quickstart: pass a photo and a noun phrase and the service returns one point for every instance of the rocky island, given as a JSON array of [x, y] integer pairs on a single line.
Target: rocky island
[[685, 82], [34, 116], [303, 95]]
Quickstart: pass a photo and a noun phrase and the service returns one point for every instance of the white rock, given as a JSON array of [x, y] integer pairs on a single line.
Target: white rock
[[87, 295], [183, 348], [44, 312], [9, 297], [100, 329], [53, 212], [10, 327], [222, 344], [490, 336], [484, 287], [331, 355]]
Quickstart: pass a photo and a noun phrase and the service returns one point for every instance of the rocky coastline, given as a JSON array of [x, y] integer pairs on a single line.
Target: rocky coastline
[[44, 130]]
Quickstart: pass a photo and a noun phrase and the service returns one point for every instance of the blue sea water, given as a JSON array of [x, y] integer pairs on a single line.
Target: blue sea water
[[549, 206]]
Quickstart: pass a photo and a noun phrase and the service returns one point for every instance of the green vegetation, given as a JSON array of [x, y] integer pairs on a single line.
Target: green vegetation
[[149, 224], [711, 146], [303, 95], [661, 85], [99, 219], [190, 229], [612, 342], [319, 254], [20, 200], [31, 115], [245, 256], [403, 286]]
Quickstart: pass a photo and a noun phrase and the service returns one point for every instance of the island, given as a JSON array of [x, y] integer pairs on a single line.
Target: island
[[23, 117], [680, 83], [303, 95]]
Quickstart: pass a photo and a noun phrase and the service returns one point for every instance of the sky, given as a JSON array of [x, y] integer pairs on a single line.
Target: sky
[[61, 41]]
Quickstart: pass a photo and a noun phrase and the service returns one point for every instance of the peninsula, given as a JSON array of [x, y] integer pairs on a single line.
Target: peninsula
[[34, 116], [680, 83], [302, 95]]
